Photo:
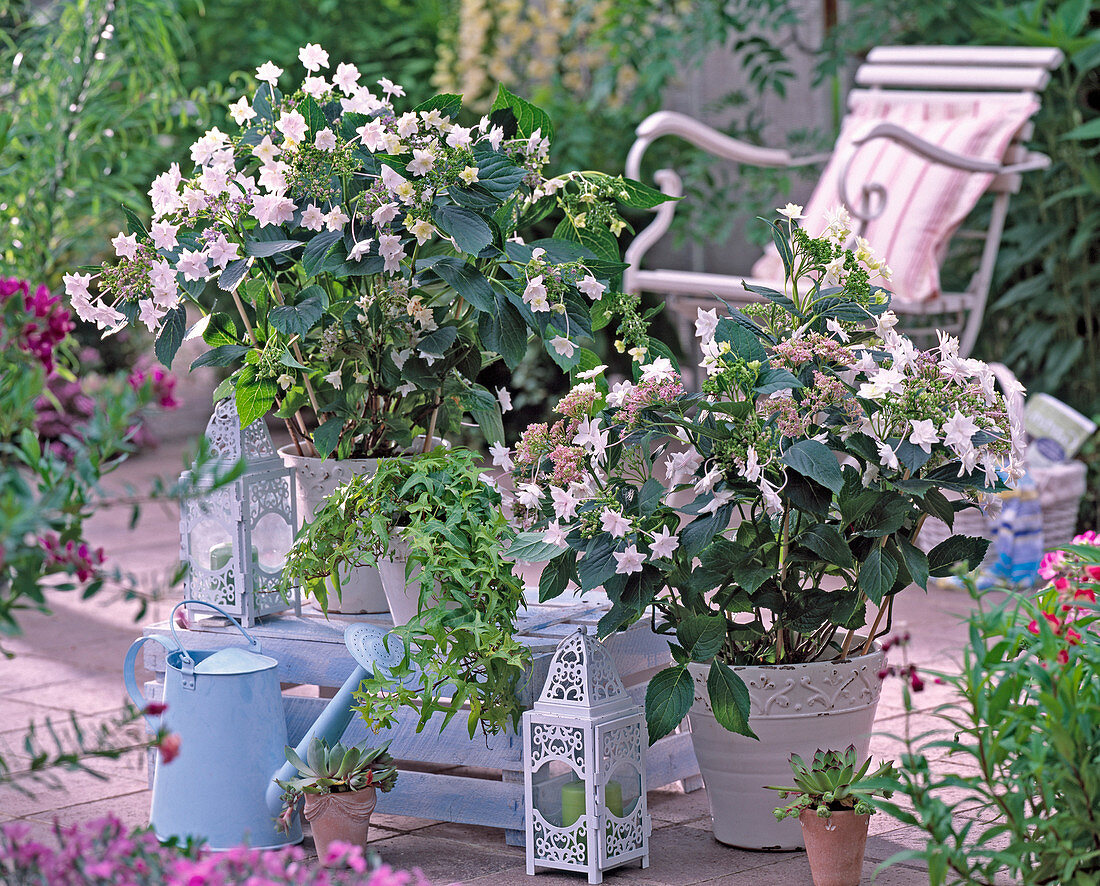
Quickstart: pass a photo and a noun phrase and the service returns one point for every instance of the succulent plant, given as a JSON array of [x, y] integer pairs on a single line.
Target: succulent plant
[[833, 782], [339, 769]]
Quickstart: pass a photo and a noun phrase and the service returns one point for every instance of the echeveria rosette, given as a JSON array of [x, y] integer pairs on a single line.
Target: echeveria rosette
[[368, 258], [824, 439]]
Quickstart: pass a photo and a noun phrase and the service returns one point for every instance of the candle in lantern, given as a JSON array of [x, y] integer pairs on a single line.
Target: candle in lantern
[[221, 554], [572, 801]]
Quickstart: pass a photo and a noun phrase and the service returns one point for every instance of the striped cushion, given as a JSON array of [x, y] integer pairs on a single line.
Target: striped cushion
[[926, 202]]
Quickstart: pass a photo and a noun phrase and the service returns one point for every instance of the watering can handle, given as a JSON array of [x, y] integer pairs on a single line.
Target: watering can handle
[[136, 695], [253, 642]]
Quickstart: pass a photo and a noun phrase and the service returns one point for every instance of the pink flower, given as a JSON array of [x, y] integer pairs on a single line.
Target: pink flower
[[169, 747]]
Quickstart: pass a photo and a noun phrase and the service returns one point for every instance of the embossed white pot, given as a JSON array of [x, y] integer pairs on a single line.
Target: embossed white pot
[[318, 478], [794, 709]]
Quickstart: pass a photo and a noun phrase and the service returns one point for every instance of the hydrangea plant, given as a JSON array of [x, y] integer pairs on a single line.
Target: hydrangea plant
[[760, 517], [368, 257]]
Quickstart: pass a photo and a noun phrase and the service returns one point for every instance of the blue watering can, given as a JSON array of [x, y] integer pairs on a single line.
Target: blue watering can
[[226, 706]]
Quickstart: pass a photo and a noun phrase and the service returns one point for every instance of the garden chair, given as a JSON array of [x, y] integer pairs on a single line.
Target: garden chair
[[929, 130]]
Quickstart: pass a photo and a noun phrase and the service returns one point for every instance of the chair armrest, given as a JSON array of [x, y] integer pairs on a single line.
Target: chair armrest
[[931, 152], [708, 139]]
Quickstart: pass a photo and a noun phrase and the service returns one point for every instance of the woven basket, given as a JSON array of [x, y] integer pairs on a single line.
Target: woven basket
[[1060, 488]]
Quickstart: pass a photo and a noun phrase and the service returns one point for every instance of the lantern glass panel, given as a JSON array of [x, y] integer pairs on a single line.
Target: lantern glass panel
[[272, 538], [556, 791], [623, 790], [211, 545]]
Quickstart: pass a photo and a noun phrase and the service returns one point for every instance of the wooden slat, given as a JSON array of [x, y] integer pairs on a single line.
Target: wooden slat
[[953, 77], [1000, 56], [478, 801]]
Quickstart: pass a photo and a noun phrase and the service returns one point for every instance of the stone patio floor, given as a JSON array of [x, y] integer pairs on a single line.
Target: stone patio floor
[[72, 661]]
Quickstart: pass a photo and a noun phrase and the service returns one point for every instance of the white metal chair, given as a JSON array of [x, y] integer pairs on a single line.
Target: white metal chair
[[927, 74]]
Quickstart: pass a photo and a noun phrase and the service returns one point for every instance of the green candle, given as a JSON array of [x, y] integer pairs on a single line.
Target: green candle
[[572, 801], [221, 554]]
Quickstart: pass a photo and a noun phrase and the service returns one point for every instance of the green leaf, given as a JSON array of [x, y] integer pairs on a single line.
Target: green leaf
[[528, 117], [504, 331], [498, 175], [230, 278], [556, 576], [594, 237], [221, 330], [485, 408], [468, 282], [956, 549], [469, 230], [729, 699], [529, 547], [598, 563], [223, 355], [916, 562], [298, 319], [267, 248], [327, 435], [877, 574], [825, 540], [446, 103], [638, 195], [255, 396], [1084, 132], [772, 380], [936, 504], [317, 250], [133, 223], [668, 699], [171, 335], [816, 461], [438, 340], [743, 342], [701, 636]]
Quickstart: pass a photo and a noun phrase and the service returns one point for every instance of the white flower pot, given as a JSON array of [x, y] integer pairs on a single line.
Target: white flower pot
[[794, 709], [403, 597], [318, 478]]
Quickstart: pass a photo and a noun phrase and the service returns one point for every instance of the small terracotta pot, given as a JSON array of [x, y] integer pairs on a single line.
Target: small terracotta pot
[[344, 817], [835, 846]]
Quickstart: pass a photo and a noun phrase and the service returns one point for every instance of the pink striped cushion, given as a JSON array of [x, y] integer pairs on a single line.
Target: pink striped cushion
[[926, 202]]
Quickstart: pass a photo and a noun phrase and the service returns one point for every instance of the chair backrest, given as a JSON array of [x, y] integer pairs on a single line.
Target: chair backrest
[[931, 78]]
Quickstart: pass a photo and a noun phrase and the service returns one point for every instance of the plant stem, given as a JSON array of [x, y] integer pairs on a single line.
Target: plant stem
[[431, 423]]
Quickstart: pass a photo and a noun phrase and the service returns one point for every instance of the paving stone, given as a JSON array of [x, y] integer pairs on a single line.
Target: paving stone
[[401, 823], [670, 805], [132, 809], [447, 861], [87, 695], [69, 789]]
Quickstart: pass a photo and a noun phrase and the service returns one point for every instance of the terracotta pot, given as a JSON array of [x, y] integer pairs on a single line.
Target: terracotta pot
[[794, 709], [835, 846], [344, 817]]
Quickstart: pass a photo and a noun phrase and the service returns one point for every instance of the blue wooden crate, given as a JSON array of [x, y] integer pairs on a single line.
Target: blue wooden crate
[[445, 775]]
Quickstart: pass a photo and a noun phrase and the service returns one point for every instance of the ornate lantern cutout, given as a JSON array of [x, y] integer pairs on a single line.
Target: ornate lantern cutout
[[584, 768], [254, 513]]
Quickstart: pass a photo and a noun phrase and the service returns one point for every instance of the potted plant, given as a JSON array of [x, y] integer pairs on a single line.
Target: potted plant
[[357, 261], [759, 519], [832, 802], [436, 527], [340, 786]]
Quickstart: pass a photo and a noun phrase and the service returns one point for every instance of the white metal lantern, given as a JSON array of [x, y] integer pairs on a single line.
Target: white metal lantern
[[235, 539], [584, 745]]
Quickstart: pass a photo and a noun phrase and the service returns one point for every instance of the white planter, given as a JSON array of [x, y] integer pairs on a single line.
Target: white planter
[[318, 478], [403, 597], [794, 709]]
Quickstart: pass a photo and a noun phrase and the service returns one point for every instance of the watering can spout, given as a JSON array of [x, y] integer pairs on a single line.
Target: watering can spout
[[330, 726]]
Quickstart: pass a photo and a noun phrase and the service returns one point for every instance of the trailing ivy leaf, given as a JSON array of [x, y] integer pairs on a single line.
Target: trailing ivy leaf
[[255, 396], [528, 117], [298, 319], [956, 549], [825, 540], [701, 636], [469, 230], [816, 461], [729, 699], [171, 335], [556, 576], [467, 281], [877, 574], [267, 248], [317, 250], [668, 699], [223, 355]]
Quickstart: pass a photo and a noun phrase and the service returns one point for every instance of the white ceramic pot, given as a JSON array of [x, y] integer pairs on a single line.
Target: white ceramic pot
[[361, 587], [403, 597], [794, 709]]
